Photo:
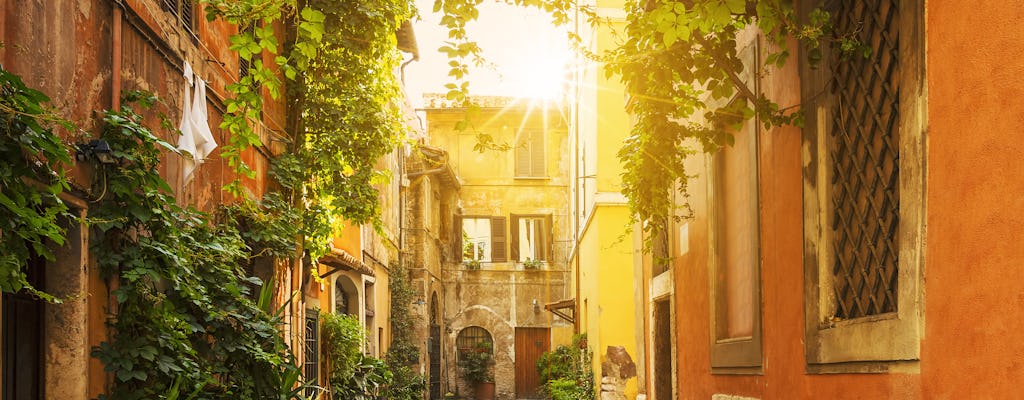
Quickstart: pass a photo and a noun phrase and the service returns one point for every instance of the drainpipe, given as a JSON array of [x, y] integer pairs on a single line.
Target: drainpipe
[[115, 64], [576, 181]]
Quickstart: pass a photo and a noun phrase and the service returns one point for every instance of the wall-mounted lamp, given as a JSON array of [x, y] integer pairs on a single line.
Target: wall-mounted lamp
[[95, 149], [419, 302], [536, 306]]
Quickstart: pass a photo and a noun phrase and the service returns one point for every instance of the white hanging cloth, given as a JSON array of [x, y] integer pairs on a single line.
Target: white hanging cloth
[[196, 138]]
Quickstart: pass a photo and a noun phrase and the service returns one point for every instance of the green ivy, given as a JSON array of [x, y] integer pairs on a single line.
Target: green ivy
[[184, 322], [343, 338], [679, 63], [32, 177], [407, 384], [339, 59]]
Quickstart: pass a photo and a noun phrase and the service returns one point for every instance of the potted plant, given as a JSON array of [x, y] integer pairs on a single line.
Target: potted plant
[[472, 264], [530, 263], [476, 370]]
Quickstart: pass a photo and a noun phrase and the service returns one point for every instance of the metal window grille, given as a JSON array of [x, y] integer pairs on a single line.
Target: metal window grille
[[470, 336], [183, 11], [311, 365], [864, 150]]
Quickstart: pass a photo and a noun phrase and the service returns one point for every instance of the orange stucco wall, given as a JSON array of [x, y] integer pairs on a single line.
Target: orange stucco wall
[[974, 297], [781, 244], [972, 345]]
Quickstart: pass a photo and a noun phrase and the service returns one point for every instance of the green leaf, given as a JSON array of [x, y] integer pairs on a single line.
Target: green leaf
[[737, 6]]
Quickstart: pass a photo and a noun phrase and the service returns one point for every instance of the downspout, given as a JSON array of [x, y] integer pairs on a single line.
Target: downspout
[[576, 181], [404, 64], [115, 64]]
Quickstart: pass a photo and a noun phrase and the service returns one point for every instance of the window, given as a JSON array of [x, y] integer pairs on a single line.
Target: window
[[531, 237], [23, 336], [483, 239], [530, 154], [863, 197], [734, 257], [183, 12], [472, 338], [311, 366]]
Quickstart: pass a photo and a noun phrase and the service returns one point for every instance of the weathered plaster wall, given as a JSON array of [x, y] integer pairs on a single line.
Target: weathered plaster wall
[[501, 296], [498, 301]]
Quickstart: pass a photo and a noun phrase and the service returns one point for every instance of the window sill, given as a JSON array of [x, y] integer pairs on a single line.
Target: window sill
[[543, 266], [531, 178]]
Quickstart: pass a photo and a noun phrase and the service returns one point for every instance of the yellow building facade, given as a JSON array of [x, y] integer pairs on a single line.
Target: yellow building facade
[[602, 260]]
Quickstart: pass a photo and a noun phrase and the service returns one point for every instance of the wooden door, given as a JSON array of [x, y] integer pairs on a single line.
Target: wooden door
[[530, 343]]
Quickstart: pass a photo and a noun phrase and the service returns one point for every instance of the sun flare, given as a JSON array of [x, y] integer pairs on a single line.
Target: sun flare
[[545, 77]]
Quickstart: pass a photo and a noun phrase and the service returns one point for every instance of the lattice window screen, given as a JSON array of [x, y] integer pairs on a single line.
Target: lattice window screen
[[864, 150]]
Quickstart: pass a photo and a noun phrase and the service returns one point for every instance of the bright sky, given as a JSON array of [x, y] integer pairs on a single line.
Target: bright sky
[[528, 52]]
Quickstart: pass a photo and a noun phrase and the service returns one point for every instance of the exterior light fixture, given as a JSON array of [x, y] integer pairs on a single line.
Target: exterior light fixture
[[419, 302], [95, 149]]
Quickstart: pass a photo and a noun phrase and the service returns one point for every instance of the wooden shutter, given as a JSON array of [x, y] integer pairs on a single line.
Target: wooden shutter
[[498, 240], [513, 231], [537, 154], [523, 155], [457, 238], [546, 238]]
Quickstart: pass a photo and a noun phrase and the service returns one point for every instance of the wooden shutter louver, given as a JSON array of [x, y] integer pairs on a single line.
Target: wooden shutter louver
[[457, 238], [498, 240], [547, 238], [537, 154], [513, 231]]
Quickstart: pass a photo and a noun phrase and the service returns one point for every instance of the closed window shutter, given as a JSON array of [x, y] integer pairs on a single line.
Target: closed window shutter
[[523, 155], [537, 154], [498, 240], [513, 231]]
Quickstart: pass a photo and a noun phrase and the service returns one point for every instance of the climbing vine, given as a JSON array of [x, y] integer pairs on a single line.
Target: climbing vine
[[32, 177], [407, 384], [186, 323], [680, 65], [339, 62]]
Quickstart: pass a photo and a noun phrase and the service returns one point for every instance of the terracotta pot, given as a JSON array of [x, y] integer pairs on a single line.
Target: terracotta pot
[[484, 391]]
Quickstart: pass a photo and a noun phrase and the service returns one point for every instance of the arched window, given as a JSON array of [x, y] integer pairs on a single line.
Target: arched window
[[471, 337]]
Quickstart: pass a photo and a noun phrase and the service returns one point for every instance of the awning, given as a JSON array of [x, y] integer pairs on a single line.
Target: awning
[[342, 260], [563, 308]]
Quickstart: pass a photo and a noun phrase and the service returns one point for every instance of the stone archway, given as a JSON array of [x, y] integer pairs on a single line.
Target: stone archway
[[503, 337]]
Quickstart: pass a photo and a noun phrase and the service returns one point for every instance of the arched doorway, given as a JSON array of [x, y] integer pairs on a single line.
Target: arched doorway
[[346, 296], [434, 349]]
